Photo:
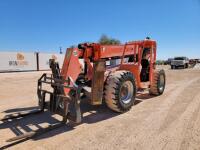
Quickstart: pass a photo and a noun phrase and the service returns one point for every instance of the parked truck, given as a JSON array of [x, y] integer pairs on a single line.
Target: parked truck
[[180, 62]]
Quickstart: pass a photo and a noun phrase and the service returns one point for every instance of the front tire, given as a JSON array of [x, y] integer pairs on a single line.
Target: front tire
[[158, 85], [120, 91]]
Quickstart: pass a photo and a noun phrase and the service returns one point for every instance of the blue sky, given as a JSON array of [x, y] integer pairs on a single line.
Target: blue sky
[[45, 25]]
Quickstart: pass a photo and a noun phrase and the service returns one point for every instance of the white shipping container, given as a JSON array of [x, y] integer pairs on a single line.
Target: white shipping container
[[44, 60], [17, 61]]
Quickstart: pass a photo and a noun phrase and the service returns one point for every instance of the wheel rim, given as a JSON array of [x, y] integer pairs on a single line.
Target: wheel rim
[[126, 92], [161, 82]]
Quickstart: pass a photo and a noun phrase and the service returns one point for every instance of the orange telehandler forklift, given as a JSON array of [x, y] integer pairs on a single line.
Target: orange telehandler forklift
[[98, 81]]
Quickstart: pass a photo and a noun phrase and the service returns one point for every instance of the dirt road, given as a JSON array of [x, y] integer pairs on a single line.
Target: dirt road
[[170, 121]]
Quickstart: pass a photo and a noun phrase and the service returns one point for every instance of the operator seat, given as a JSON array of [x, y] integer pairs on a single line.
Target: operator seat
[[144, 75]]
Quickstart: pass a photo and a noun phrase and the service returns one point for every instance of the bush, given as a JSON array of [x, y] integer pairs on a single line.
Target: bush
[[105, 40]]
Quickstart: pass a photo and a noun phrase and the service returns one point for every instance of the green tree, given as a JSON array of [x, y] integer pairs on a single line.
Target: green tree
[[72, 46], [105, 40]]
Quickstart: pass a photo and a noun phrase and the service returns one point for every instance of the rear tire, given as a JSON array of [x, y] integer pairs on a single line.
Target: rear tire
[[158, 85], [120, 91]]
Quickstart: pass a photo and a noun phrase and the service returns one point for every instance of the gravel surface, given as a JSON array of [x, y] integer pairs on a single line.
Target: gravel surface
[[197, 66], [169, 121]]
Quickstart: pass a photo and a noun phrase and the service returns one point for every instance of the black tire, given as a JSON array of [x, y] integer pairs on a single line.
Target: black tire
[[173, 67], [187, 65], [119, 84], [158, 85]]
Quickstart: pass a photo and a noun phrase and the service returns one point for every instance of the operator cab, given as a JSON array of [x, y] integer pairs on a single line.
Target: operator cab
[[145, 63]]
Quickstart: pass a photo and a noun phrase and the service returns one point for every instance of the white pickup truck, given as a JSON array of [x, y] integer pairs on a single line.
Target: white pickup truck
[[179, 62]]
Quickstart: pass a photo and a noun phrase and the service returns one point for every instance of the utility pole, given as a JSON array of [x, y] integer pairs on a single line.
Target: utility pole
[[61, 50]]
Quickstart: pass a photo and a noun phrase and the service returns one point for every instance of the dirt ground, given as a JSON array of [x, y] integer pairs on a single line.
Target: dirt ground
[[169, 121]]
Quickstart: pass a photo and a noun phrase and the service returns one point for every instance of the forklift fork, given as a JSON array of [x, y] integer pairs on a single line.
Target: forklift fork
[[58, 103]]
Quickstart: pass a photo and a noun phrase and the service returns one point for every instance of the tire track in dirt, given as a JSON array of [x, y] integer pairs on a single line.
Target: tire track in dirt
[[181, 103], [179, 135], [151, 125], [190, 139], [172, 135]]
